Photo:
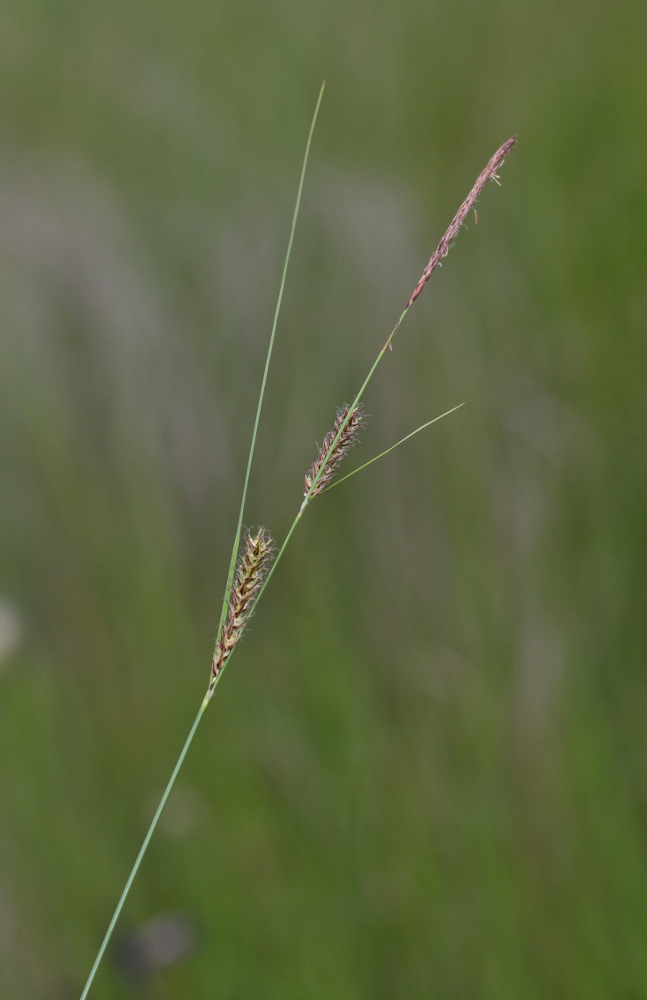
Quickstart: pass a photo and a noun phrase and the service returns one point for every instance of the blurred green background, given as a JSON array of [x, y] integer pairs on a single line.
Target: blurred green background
[[425, 775]]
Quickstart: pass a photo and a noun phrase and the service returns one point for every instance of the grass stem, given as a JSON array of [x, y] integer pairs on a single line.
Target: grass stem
[[143, 849], [259, 407]]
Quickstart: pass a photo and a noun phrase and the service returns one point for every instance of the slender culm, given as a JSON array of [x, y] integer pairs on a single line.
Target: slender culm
[[329, 463], [253, 564]]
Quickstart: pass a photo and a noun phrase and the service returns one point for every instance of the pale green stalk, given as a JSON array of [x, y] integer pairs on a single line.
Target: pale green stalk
[[235, 547], [142, 852], [232, 566]]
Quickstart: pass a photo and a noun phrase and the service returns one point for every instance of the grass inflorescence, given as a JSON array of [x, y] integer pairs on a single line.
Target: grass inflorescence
[[337, 443], [251, 572], [254, 561]]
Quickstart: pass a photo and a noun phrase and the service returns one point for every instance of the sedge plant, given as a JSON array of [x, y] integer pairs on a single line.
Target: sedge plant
[[254, 557]]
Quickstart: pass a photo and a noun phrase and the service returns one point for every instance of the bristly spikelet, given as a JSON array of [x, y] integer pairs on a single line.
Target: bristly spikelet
[[251, 572], [349, 437]]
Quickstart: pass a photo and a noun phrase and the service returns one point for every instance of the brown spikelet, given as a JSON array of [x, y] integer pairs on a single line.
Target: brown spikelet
[[349, 437], [443, 248], [253, 564]]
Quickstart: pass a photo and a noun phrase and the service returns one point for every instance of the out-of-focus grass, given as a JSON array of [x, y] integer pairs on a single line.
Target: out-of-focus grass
[[426, 774]]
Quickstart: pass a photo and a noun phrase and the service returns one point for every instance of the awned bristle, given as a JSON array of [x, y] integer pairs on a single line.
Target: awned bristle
[[349, 437], [253, 565]]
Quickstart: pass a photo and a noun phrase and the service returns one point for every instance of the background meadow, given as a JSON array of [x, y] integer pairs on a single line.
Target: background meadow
[[425, 774]]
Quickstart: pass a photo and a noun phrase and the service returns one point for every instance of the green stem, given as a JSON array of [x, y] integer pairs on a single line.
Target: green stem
[[252, 447], [232, 567], [142, 852]]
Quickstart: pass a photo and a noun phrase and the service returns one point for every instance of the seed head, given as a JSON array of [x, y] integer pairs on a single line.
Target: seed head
[[253, 565], [445, 245], [331, 462]]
